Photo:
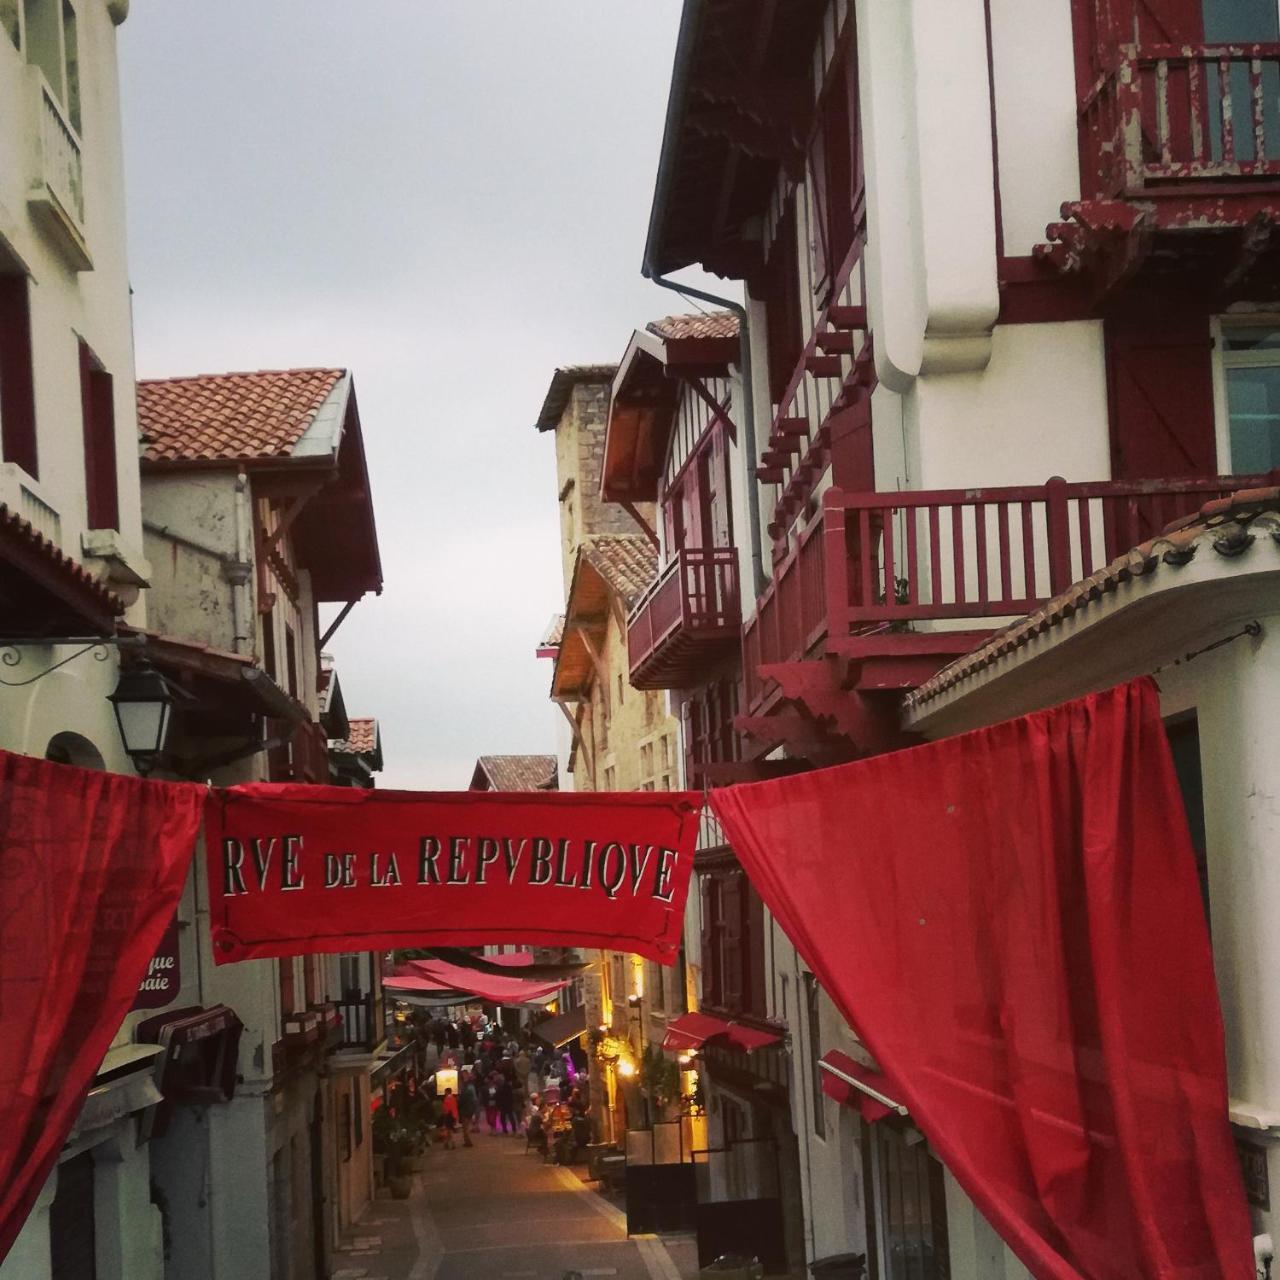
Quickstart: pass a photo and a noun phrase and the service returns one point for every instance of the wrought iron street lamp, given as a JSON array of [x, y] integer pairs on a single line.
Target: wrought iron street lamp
[[144, 702]]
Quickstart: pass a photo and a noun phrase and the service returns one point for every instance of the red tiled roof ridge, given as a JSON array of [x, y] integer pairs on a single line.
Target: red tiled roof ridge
[[1224, 521], [242, 373], [362, 736]]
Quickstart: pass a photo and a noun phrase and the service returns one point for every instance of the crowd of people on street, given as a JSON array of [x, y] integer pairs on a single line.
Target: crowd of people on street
[[508, 1082]]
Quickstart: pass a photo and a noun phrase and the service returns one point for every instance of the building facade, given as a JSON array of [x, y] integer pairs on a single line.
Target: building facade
[[1007, 316], [246, 479], [622, 738], [71, 562]]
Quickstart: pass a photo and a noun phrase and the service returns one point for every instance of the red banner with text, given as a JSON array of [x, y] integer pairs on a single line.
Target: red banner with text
[[301, 869]]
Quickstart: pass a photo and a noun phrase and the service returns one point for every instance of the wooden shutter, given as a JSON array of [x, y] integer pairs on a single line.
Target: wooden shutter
[[17, 382], [734, 960], [97, 405], [753, 951], [710, 888], [286, 987], [1160, 388]]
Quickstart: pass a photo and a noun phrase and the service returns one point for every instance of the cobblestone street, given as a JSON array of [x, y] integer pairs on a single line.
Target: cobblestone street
[[495, 1212]]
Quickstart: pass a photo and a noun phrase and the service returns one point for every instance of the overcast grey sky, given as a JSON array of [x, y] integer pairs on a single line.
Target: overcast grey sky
[[450, 198]]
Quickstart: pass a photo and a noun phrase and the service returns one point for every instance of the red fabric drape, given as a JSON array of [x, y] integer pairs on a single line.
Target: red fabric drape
[[1011, 921], [91, 869], [484, 986]]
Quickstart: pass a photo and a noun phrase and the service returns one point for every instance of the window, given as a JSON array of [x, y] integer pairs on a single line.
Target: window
[[71, 55], [909, 1198], [53, 45], [834, 175], [1184, 742], [1251, 374], [17, 382], [349, 976], [97, 405], [783, 322], [269, 642], [812, 992], [291, 659]]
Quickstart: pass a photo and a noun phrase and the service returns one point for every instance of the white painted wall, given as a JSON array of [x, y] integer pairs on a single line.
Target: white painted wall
[[1035, 101]]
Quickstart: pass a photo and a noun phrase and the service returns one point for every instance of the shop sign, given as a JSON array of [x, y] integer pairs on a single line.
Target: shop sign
[[159, 986]]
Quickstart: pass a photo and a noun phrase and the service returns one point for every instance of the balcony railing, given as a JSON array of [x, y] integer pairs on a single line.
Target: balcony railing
[[362, 1026], [1163, 116], [878, 562], [57, 190], [690, 616]]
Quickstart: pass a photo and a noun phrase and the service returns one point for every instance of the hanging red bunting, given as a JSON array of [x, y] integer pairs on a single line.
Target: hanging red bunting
[[1011, 920], [91, 869], [298, 869]]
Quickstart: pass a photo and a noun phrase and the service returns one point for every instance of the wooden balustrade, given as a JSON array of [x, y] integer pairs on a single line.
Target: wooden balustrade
[[1163, 116], [691, 611], [880, 562]]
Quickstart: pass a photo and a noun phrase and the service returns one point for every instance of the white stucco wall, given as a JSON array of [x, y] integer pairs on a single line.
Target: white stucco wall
[[1035, 102]]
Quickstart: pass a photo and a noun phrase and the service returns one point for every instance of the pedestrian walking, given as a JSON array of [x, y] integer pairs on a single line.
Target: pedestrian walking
[[449, 1118], [491, 1112], [505, 1097], [468, 1108]]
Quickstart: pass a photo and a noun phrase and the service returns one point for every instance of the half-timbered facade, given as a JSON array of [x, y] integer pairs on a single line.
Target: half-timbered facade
[[674, 441], [1010, 298]]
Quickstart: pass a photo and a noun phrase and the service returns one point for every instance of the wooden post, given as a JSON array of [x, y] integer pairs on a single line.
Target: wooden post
[[835, 564], [1058, 529]]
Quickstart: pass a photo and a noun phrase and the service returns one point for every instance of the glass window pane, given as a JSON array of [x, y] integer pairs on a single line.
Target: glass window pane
[[1253, 405], [1262, 339]]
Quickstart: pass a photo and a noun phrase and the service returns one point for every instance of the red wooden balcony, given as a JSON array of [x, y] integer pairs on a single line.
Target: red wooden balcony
[[876, 564], [691, 616], [1166, 118], [303, 758]]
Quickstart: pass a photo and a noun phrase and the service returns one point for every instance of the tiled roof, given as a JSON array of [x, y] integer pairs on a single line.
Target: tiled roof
[[362, 739], [715, 324], [627, 562], [563, 382], [518, 773], [75, 584], [1225, 524], [230, 416]]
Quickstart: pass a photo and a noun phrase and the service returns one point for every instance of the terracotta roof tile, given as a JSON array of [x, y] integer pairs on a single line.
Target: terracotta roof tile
[[79, 581], [362, 738], [715, 324], [554, 633], [627, 562], [232, 416], [517, 773], [1223, 523]]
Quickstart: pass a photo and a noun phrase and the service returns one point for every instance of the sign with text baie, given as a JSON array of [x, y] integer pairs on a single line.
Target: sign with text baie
[[301, 869]]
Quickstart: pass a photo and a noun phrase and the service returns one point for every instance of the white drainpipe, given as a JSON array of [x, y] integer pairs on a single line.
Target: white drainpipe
[[239, 573]]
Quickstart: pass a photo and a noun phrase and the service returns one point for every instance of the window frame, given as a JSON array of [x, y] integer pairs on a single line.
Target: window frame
[[1219, 328]]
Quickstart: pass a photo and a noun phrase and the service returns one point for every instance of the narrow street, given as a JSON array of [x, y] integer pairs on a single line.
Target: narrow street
[[494, 1212]]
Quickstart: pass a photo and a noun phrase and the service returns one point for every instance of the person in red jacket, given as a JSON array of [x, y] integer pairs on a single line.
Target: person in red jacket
[[450, 1105]]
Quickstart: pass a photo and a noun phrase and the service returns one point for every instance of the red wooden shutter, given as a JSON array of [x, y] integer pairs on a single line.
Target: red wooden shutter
[[97, 404], [17, 383], [1160, 387], [734, 960], [286, 987], [710, 890]]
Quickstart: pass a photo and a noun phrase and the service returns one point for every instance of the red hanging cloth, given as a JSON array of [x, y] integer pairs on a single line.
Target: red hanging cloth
[[1011, 921], [91, 869]]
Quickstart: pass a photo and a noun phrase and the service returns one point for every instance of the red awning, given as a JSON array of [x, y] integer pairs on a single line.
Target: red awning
[[853, 1085], [434, 976], [693, 1030]]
